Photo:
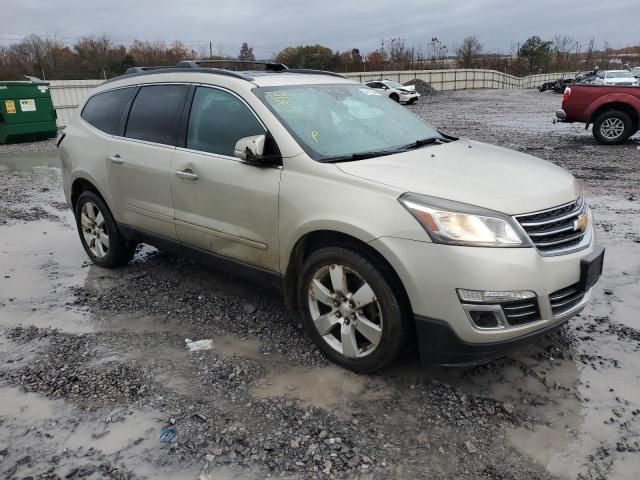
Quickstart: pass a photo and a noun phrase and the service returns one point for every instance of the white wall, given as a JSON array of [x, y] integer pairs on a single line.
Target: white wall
[[68, 94]]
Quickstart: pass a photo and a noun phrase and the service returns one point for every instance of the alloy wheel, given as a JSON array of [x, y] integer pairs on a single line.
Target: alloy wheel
[[345, 311], [612, 128], [94, 229]]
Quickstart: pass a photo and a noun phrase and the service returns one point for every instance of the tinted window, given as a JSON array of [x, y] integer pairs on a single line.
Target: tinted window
[[218, 120], [155, 113], [104, 110]]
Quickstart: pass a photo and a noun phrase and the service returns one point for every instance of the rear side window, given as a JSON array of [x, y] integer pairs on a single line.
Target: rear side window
[[104, 110], [155, 113], [218, 120]]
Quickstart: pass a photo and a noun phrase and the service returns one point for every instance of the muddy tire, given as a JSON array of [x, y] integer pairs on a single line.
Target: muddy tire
[[612, 127], [350, 309], [99, 233], [394, 97]]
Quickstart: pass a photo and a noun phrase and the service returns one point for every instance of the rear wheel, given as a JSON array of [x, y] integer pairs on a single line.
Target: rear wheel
[[350, 309], [99, 234], [612, 127]]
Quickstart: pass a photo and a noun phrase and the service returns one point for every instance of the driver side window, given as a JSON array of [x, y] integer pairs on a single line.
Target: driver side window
[[218, 120]]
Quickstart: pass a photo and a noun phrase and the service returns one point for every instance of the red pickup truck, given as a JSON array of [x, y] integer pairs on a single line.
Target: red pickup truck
[[613, 111]]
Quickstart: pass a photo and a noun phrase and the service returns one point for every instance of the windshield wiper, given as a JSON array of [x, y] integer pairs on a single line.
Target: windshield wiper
[[357, 156], [422, 142]]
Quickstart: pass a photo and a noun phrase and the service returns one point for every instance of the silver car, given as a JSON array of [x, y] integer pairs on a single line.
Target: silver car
[[380, 231]]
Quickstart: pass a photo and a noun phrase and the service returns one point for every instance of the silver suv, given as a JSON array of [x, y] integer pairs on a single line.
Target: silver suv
[[380, 231]]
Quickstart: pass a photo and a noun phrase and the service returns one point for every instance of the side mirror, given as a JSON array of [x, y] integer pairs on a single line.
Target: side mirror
[[250, 149]]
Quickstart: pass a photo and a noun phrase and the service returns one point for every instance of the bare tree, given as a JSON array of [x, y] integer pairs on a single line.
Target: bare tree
[[468, 52], [437, 53], [562, 47], [399, 54]]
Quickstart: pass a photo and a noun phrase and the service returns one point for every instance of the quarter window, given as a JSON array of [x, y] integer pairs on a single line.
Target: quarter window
[[155, 114], [103, 111], [218, 120]]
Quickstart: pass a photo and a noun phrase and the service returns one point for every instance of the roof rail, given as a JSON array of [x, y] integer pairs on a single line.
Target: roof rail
[[314, 72], [142, 71], [269, 66], [131, 70]]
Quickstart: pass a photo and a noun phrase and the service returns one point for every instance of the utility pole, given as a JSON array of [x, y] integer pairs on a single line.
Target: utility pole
[[210, 51]]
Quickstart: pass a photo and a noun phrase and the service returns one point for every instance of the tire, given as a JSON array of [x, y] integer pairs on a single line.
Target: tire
[[612, 127], [359, 334], [95, 222], [412, 101], [395, 97]]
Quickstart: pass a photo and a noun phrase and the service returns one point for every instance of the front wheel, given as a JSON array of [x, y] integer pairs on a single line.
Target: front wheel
[[350, 309], [394, 97], [612, 127], [99, 234]]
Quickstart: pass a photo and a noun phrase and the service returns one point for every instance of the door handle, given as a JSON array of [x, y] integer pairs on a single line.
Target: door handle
[[117, 159], [187, 174]]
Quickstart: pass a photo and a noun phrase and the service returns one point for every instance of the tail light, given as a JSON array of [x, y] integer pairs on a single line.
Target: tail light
[[566, 95]]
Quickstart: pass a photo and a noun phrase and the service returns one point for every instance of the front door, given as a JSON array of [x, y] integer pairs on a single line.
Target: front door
[[139, 163], [222, 204]]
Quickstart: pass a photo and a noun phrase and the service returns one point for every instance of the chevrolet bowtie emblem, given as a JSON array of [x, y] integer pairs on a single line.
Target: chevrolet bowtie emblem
[[580, 223]]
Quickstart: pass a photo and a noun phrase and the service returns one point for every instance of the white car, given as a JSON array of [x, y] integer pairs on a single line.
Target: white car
[[619, 78], [395, 91]]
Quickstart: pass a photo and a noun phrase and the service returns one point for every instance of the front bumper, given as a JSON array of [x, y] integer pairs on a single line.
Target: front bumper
[[407, 97], [431, 273]]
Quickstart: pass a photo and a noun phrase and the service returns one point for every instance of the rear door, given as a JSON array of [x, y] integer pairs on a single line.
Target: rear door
[[139, 161], [222, 204]]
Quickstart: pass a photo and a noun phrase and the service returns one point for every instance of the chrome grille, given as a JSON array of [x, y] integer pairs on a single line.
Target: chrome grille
[[565, 299], [521, 311], [554, 231]]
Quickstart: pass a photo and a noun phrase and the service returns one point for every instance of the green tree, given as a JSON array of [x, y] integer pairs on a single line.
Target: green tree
[[246, 53], [536, 53], [307, 56]]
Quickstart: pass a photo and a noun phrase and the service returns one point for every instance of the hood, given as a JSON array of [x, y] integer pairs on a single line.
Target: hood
[[475, 173], [408, 88]]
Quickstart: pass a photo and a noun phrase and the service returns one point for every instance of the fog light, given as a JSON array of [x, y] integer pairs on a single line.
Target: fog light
[[484, 319], [490, 296]]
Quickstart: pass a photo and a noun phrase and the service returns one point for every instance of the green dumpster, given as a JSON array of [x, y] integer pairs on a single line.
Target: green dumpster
[[26, 112]]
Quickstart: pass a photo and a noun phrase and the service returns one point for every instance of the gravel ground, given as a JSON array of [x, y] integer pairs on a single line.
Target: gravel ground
[[93, 364], [29, 147]]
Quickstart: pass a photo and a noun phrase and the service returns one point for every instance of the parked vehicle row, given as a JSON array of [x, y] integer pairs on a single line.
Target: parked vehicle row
[[607, 77], [378, 229]]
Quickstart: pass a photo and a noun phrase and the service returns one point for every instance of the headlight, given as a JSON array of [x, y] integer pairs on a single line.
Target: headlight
[[457, 223]]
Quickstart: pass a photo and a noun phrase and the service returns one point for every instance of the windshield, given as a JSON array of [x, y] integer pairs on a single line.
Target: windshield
[[619, 75], [394, 84], [334, 121]]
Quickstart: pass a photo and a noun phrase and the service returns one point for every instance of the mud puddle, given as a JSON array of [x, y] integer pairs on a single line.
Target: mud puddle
[[330, 388], [40, 431]]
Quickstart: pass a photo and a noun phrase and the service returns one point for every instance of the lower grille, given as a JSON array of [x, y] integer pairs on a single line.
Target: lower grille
[[557, 230], [565, 299], [521, 311]]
